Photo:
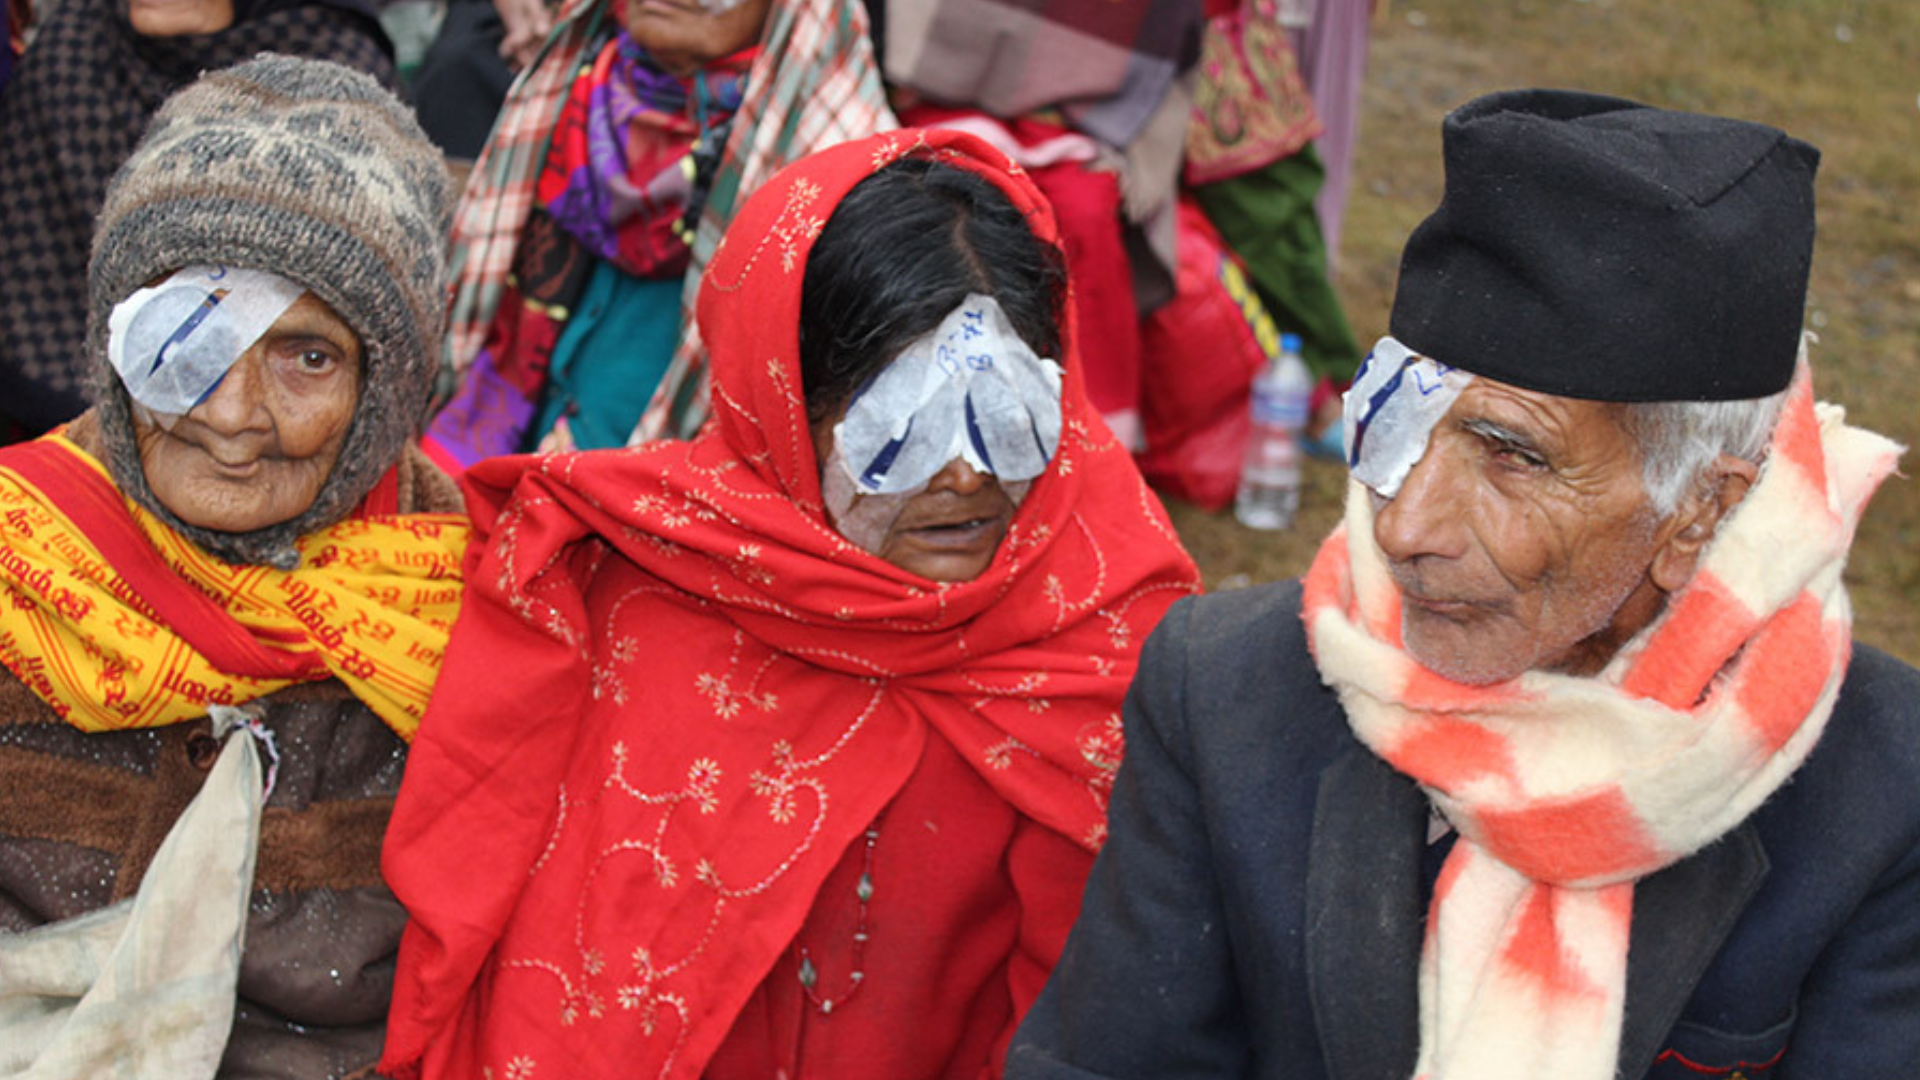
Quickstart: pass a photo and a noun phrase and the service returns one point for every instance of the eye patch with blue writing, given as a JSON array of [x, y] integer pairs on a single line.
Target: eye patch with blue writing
[[971, 389], [1396, 399], [173, 342]]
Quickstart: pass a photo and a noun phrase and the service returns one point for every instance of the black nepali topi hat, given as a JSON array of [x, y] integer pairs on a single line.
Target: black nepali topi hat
[[1593, 247]]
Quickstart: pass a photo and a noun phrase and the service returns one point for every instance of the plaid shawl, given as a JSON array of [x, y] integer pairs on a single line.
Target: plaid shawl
[[814, 84], [500, 188]]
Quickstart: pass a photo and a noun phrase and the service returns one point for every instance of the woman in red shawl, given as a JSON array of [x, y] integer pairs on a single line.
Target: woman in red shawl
[[731, 773]]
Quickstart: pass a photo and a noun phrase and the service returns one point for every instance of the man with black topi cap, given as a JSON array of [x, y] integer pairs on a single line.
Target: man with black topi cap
[[1560, 761]]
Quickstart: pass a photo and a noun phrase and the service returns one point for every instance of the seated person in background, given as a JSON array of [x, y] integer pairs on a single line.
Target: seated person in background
[[240, 533], [1562, 762], [789, 746], [78, 101], [615, 164]]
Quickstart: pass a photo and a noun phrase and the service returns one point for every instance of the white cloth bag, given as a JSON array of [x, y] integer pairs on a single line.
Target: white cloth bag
[[145, 989]]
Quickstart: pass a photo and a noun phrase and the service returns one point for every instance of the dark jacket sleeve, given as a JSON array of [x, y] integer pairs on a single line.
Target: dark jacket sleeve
[[1860, 1015], [1146, 986], [1859, 1009]]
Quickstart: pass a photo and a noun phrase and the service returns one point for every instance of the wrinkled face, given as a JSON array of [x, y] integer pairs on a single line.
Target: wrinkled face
[[683, 36], [257, 451], [178, 18], [947, 531], [1523, 538]]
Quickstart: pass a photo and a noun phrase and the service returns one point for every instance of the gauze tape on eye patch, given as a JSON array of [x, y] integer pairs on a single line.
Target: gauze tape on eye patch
[[173, 342], [1396, 399], [972, 389], [862, 520]]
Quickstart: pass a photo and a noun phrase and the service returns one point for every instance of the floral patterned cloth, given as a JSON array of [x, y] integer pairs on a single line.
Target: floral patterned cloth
[[678, 695], [1251, 106]]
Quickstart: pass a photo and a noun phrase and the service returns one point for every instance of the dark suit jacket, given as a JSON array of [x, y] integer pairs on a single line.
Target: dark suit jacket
[[1258, 908]]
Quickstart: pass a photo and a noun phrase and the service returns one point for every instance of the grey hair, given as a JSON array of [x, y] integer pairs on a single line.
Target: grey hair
[[1679, 439]]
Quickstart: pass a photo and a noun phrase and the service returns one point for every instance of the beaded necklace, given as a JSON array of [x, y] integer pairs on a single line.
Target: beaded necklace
[[809, 975]]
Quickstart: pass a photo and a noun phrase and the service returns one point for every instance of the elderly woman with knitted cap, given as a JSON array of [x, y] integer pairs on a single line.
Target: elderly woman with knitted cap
[[788, 746], [226, 591]]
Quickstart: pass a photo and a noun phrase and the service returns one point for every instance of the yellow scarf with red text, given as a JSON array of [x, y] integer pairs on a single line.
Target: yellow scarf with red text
[[116, 621]]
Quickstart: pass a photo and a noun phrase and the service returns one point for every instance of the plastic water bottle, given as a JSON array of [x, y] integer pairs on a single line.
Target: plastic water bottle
[[1270, 473]]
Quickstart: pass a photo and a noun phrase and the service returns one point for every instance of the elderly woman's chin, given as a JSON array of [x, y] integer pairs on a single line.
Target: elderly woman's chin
[[179, 18], [230, 490]]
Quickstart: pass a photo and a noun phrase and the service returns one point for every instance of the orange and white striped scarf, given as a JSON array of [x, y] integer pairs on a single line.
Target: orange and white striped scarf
[[1565, 790], [116, 621]]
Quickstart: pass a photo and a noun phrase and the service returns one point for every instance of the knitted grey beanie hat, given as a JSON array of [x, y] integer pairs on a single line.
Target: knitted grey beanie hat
[[313, 171]]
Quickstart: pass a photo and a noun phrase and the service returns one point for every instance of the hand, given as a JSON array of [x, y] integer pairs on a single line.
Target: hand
[[528, 22]]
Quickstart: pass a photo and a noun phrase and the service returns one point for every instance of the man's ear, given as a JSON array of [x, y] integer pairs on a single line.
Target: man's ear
[[1721, 487]]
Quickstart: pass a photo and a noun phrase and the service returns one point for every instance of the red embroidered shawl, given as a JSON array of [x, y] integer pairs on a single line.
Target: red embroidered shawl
[[676, 694]]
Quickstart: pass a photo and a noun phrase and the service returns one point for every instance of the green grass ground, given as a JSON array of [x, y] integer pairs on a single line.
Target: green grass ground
[[1841, 74]]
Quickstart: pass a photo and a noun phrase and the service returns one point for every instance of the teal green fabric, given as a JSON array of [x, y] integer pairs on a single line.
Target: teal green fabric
[[610, 356], [1266, 216]]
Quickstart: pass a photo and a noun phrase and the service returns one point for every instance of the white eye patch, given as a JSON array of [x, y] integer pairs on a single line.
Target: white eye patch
[[1396, 399], [971, 389], [173, 342]]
